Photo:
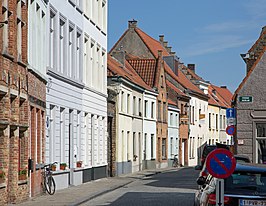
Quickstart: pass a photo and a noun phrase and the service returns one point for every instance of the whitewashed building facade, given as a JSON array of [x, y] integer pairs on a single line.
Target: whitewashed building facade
[[173, 132], [77, 90]]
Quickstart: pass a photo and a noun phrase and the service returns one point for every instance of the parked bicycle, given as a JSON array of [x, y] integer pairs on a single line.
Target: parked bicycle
[[175, 162], [48, 180]]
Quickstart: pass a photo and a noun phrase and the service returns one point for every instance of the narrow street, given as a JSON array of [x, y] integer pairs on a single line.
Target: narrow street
[[168, 188]]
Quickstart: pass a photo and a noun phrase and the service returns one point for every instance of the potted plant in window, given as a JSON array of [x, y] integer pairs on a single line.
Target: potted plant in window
[[22, 174], [2, 176], [63, 166], [53, 167], [79, 163]]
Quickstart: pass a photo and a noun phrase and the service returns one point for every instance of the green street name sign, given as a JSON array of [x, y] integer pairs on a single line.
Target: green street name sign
[[245, 99]]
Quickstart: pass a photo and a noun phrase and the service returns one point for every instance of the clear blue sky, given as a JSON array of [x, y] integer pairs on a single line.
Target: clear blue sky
[[209, 33]]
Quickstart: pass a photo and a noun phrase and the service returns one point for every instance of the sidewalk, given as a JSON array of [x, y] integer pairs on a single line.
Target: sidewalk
[[76, 195]]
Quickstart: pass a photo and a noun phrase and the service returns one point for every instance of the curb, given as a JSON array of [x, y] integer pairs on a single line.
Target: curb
[[86, 199]]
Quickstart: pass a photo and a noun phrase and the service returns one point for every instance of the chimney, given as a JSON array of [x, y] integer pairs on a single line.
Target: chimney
[[169, 49], [172, 53], [132, 24], [165, 43], [120, 56], [160, 54], [161, 38], [191, 67]]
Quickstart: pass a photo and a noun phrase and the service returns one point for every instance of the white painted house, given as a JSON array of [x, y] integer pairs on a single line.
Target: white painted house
[[135, 118], [77, 90], [149, 130], [173, 131]]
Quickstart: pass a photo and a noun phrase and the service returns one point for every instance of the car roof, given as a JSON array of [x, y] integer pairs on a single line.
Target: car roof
[[250, 167]]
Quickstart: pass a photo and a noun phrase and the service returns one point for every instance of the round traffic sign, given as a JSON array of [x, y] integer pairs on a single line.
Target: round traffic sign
[[230, 130], [221, 163]]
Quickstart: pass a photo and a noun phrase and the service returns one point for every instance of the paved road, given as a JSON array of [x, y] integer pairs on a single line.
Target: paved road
[[168, 188]]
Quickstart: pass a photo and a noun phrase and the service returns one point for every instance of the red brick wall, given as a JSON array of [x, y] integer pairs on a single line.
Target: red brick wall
[[14, 116]]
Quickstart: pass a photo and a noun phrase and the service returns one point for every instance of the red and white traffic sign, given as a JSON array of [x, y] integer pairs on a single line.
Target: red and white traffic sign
[[221, 163]]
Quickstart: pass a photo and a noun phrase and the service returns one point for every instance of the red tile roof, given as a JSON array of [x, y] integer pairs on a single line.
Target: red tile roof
[[115, 68], [154, 46], [145, 68], [248, 74], [216, 98], [173, 87]]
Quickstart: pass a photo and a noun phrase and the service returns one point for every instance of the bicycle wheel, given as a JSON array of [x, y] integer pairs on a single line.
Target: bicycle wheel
[[50, 185]]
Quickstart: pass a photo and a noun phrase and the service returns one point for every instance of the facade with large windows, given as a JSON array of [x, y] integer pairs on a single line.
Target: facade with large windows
[[173, 131], [76, 109], [135, 118], [249, 101]]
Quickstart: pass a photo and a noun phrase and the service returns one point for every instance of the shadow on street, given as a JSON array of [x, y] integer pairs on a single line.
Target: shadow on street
[[184, 178], [154, 199]]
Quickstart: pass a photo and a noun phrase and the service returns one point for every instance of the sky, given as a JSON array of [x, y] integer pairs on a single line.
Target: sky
[[209, 33]]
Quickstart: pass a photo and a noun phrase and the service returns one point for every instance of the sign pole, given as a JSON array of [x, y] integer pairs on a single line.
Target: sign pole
[[220, 192]]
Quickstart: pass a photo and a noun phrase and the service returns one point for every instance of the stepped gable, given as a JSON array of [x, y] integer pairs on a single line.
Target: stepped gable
[[154, 46], [248, 74]]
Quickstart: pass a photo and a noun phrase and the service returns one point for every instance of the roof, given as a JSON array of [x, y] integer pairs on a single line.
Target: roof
[[152, 43], [219, 96], [192, 73], [145, 68], [182, 79], [154, 46], [115, 68], [249, 73], [170, 101], [173, 87]]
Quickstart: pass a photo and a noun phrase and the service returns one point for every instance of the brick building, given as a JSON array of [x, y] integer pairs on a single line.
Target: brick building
[[14, 106]]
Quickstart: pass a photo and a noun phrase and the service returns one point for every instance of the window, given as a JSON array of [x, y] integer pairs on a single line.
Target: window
[[171, 146], [182, 109], [128, 146], [134, 105], [152, 146], [159, 111], [134, 144], [140, 107], [164, 148], [164, 112], [128, 103], [221, 122], [92, 62], [52, 40], [71, 54], [224, 122], [216, 119], [261, 142], [193, 115], [62, 47], [145, 146], [19, 30], [152, 110], [6, 13], [146, 108], [78, 56], [62, 133], [104, 16], [86, 61], [122, 101], [171, 119]]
